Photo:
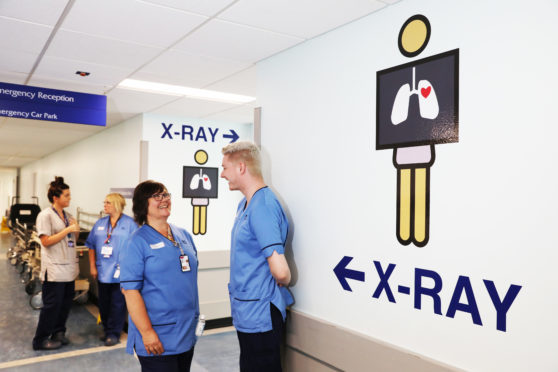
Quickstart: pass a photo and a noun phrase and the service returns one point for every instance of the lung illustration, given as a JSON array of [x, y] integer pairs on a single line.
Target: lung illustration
[[428, 103]]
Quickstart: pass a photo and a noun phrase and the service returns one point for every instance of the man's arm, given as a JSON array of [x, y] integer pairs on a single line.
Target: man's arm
[[279, 268]]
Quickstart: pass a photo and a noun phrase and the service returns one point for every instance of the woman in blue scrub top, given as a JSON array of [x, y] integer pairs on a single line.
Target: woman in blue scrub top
[[105, 241], [158, 276]]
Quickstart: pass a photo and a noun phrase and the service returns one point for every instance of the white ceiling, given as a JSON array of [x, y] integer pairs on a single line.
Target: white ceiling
[[209, 44]]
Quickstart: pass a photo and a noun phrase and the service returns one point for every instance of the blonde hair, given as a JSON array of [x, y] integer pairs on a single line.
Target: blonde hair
[[248, 153], [117, 201]]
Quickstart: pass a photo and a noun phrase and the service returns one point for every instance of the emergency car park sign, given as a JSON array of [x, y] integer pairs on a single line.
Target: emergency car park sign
[[35, 103]]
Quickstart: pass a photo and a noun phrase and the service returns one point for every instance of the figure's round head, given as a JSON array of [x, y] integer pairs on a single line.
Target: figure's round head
[[201, 157], [414, 35]]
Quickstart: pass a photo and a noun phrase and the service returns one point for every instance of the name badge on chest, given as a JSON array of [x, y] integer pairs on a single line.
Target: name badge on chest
[[106, 251], [184, 263]]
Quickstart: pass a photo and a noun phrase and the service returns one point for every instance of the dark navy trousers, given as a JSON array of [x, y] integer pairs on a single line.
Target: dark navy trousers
[[112, 307], [262, 351], [57, 301], [167, 363]]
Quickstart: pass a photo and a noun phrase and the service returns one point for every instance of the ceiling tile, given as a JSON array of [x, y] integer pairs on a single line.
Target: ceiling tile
[[12, 77], [123, 104], [131, 20], [48, 82], [17, 61], [244, 82], [60, 68], [301, 18], [226, 40], [241, 114], [45, 12], [194, 108], [179, 68], [205, 7], [103, 51], [15, 161], [30, 38]]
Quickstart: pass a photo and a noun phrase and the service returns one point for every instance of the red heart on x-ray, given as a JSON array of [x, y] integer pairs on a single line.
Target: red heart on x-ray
[[205, 179], [425, 91]]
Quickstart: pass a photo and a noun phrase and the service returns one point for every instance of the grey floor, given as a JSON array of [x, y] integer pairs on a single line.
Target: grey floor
[[213, 352]]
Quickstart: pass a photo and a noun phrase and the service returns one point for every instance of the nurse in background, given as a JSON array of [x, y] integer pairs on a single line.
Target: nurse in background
[[59, 267], [159, 270], [106, 241]]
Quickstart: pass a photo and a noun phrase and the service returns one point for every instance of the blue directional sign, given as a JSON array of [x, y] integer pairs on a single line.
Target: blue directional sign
[[343, 273], [197, 134], [35, 103], [428, 284]]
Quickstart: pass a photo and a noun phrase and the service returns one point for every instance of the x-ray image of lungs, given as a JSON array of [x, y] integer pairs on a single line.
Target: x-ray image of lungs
[[417, 103], [203, 178], [428, 103]]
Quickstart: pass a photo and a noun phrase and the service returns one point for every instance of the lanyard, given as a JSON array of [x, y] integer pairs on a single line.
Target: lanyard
[[65, 220], [110, 229], [174, 242]]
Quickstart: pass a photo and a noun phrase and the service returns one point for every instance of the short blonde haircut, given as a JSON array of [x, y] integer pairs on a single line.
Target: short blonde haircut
[[246, 152], [117, 201]]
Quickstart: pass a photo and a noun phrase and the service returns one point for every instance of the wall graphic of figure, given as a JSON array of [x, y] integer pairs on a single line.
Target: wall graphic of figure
[[411, 118], [200, 184]]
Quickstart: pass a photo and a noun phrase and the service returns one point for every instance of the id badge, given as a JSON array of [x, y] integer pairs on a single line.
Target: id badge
[[106, 251], [117, 273], [184, 263]]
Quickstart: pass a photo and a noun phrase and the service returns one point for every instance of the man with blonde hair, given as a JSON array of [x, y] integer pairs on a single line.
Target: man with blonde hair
[[259, 271]]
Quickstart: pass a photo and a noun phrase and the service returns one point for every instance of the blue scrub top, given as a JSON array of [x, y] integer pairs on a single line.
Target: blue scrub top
[[106, 266], [258, 230], [151, 264]]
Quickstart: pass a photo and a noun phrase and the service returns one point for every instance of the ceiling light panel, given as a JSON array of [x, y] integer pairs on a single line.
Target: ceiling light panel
[[299, 17], [177, 90], [226, 40], [132, 21]]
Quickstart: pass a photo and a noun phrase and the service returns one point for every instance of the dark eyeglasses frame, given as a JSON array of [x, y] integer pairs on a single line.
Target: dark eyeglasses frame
[[161, 196]]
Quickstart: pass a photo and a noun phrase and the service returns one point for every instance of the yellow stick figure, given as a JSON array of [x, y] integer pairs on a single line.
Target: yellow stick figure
[[416, 108], [200, 204], [200, 184]]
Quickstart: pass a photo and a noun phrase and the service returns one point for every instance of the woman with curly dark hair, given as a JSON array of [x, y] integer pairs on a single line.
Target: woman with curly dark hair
[[159, 279]]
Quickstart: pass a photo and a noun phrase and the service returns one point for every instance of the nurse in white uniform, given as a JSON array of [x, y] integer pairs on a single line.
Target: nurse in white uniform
[[158, 276], [59, 267]]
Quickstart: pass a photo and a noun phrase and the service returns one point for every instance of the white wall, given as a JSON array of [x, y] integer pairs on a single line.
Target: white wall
[[167, 157], [90, 167], [7, 189], [493, 194]]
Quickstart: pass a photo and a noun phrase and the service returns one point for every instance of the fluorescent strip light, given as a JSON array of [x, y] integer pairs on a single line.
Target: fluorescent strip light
[[177, 90]]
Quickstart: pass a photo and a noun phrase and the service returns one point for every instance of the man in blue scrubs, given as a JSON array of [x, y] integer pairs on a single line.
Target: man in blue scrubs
[[259, 270]]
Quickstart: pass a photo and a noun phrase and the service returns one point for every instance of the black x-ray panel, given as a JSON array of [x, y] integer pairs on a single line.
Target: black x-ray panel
[[418, 103]]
